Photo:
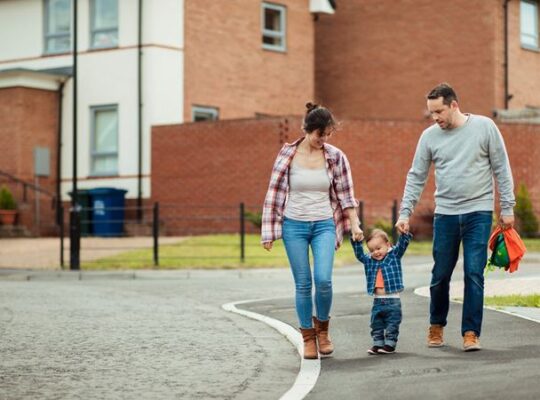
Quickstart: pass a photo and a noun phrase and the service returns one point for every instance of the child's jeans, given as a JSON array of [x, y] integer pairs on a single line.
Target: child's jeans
[[385, 320]]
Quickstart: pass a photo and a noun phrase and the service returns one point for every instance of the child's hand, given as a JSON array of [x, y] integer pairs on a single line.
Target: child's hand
[[267, 246]]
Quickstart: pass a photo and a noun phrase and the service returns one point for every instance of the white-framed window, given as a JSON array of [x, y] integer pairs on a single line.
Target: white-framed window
[[204, 113], [273, 26], [103, 24], [528, 18], [104, 140], [57, 26]]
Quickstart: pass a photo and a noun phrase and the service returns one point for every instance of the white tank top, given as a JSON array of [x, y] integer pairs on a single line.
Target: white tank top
[[309, 194]]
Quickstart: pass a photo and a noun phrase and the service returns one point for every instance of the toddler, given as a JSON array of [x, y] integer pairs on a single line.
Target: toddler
[[384, 279]]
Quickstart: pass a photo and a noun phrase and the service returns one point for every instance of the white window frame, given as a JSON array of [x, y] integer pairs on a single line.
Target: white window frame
[[93, 152], [94, 31], [47, 36], [282, 34], [212, 112], [535, 36]]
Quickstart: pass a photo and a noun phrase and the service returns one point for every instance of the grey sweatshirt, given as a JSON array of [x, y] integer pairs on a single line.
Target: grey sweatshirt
[[465, 159]]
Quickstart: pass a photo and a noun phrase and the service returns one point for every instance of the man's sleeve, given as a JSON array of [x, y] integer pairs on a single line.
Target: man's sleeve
[[416, 178], [498, 157]]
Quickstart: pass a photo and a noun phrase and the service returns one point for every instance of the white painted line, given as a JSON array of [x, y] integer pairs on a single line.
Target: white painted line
[[309, 369]]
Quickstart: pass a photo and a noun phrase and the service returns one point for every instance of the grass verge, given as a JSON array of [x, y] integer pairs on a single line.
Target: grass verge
[[221, 252], [517, 300]]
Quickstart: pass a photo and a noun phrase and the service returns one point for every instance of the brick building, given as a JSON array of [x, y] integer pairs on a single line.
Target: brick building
[[253, 61], [377, 59], [165, 62]]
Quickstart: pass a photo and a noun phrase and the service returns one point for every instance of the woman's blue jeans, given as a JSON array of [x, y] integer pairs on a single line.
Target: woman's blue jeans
[[448, 232], [298, 237]]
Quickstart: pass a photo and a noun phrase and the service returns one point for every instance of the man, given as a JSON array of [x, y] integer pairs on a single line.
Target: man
[[467, 151]]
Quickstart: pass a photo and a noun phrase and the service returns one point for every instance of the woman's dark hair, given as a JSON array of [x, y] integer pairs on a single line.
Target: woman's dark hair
[[317, 118], [443, 90]]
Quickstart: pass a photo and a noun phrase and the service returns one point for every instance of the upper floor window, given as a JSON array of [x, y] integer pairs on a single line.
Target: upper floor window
[[103, 24], [57, 26], [199, 113], [529, 23], [274, 22], [104, 146]]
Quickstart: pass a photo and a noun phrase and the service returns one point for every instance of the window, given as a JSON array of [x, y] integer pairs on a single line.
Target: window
[[199, 113], [104, 146], [273, 27], [529, 23], [57, 26], [104, 24]]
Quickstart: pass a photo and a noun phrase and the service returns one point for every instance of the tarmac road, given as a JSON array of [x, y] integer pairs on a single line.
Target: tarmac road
[[164, 335]]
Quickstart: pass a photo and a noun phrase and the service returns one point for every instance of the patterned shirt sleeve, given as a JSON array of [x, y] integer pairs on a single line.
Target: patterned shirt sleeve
[[402, 244], [359, 252], [344, 183], [277, 191]]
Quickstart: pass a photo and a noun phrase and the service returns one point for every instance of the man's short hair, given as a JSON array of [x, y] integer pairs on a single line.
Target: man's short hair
[[443, 90]]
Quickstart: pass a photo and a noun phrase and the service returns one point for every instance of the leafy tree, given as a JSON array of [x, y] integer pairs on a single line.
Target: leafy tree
[[527, 223]]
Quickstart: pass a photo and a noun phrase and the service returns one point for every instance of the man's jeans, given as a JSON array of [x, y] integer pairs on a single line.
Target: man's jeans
[[448, 231], [298, 236], [385, 315]]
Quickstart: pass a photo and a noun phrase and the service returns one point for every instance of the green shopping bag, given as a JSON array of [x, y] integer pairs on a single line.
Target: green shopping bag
[[499, 255]]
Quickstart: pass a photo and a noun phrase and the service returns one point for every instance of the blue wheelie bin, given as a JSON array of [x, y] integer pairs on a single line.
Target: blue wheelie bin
[[108, 211]]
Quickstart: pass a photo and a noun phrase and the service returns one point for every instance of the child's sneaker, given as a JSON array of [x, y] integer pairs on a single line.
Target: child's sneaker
[[375, 350], [387, 349]]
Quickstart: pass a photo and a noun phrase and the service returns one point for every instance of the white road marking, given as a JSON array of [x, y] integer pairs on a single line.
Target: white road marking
[[309, 369]]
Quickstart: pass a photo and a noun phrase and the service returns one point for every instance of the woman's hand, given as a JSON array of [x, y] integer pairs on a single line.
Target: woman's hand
[[357, 234], [267, 246]]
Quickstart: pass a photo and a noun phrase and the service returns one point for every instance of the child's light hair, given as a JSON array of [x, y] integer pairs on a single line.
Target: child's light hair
[[378, 233]]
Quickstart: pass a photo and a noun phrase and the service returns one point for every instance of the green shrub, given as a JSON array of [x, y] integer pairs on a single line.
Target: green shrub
[[7, 202], [254, 217], [384, 225], [527, 223]]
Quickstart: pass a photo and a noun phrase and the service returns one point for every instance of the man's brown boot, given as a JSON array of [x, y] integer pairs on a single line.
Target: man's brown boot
[[435, 336], [471, 341], [310, 343], [323, 338]]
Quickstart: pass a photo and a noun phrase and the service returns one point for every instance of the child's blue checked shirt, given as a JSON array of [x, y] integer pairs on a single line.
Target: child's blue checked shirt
[[390, 265]]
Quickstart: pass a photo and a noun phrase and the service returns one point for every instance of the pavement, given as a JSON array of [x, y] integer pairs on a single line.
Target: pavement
[[165, 335]]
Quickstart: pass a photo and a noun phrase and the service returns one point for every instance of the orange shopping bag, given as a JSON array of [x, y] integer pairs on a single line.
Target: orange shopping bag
[[514, 246]]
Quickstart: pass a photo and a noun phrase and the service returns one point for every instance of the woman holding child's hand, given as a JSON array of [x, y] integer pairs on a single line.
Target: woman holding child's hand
[[309, 202]]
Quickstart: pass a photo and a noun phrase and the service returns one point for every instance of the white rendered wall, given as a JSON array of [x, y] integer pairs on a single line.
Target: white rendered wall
[[107, 77]]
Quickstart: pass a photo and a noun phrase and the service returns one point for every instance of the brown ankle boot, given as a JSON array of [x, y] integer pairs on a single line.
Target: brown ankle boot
[[310, 343], [325, 343]]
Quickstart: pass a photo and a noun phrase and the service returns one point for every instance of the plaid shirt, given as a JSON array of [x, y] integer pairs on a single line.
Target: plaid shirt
[[390, 265], [341, 191]]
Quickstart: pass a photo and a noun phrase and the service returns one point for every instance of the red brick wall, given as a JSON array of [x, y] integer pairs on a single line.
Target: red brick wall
[[29, 118], [222, 164], [378, 59], [226, 67]]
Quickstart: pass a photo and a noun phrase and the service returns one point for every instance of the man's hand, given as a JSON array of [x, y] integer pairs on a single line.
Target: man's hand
[[357, 234], [506, 221], [403, 225], [267, 246]]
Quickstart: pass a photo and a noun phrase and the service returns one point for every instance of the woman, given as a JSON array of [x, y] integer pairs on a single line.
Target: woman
[[309, 202]]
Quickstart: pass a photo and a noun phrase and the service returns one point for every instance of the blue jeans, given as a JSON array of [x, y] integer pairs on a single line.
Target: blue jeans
[[385, 316], [473, 229], [298, 236]]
